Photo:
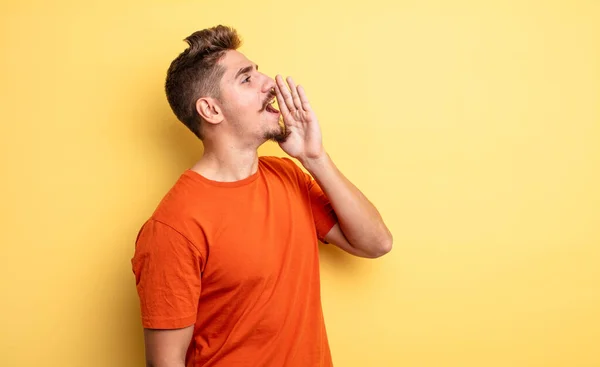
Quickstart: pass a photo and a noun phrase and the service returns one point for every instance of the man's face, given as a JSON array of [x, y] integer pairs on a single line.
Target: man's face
[[246, 95]]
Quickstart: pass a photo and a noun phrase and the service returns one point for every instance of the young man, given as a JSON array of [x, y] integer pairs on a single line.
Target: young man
[[226, 267]]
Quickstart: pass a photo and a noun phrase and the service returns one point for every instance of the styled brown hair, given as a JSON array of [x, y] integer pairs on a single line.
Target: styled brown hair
[[196, 73]]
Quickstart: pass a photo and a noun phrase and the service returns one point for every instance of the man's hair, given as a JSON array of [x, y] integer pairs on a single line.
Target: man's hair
[[196, 73]]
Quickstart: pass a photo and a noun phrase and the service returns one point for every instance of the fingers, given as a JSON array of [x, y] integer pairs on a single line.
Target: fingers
[[284, 92], [303, 99], [294, 97], [281, 99]]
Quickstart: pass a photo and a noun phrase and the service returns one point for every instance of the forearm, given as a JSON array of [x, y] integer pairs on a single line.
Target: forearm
[[358, 218]]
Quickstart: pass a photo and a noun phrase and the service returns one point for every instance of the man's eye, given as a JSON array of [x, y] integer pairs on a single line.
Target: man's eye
[[246, 80]]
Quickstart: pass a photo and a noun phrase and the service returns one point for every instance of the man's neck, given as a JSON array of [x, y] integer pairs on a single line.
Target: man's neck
[[226, 163]]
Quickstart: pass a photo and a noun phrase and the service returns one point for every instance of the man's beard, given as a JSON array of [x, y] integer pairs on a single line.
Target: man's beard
[[279, 135]]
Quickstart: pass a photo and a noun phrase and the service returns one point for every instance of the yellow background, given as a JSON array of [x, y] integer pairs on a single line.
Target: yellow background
[[473, 126]]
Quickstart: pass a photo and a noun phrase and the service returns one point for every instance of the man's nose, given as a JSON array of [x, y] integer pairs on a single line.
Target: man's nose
[[268, 84]]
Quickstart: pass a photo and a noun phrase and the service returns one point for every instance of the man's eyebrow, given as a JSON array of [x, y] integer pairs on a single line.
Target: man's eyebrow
[[245, 70]]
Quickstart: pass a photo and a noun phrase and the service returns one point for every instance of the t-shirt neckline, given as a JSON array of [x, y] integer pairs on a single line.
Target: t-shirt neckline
[[198, 177]]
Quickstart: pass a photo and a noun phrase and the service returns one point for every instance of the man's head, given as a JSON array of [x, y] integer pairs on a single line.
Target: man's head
[[216, 91]]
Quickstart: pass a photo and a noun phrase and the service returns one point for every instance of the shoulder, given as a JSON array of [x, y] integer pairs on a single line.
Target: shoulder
[[179, 212], [160, 239], [176, 201], [286, 166], [154, 227], [281, 165]]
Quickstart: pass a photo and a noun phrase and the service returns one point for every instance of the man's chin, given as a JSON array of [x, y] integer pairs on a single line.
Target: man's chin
[[279, 135]]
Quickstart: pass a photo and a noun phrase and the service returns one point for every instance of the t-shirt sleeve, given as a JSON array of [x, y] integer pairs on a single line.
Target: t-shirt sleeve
[[167, 269], [323, 213], [322, 210]]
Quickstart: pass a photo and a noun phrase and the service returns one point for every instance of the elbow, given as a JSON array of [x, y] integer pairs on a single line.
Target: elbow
[[388, 244], [383, 246]]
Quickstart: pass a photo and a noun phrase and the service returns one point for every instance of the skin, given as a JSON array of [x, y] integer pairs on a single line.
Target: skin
[[236, 125]]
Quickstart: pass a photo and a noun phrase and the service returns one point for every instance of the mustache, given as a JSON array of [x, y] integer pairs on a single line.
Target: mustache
[[268, 98]]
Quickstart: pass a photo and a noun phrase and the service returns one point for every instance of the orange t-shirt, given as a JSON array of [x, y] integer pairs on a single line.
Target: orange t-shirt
[[239, 260]]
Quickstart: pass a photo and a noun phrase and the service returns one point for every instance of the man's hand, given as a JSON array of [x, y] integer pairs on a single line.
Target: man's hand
[[305, 140]]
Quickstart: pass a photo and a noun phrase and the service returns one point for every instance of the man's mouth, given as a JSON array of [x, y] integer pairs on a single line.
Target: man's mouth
[[269, 106]]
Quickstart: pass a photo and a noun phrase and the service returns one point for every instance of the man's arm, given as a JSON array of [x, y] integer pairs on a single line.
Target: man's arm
[[167, 268], [360, 229], [167, 348]]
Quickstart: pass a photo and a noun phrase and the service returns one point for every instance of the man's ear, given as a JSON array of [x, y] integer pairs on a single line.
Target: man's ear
[[209, 110]]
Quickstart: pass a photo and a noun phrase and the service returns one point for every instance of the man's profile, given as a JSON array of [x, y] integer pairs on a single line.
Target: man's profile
[[227, 266]]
